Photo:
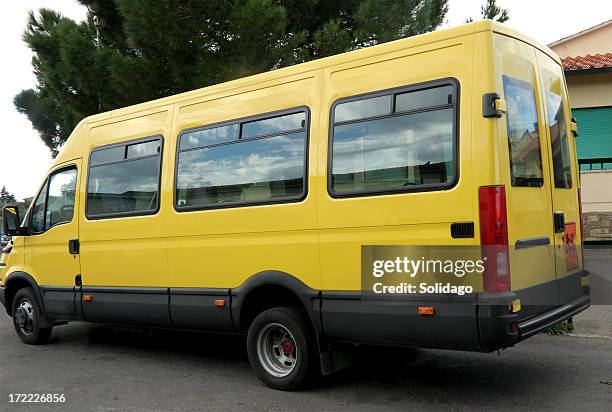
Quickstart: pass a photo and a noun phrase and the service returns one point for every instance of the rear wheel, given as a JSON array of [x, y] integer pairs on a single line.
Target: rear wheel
[[27, 318], [282, 348]]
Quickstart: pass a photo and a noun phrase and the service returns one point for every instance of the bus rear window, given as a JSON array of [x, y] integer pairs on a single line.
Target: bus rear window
[[558, 140], [523, 133]]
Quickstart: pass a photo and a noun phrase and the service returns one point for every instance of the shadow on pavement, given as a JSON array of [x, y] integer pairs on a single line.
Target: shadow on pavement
[[407, 371]]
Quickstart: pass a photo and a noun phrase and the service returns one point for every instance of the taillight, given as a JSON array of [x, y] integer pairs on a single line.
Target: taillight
[[494, 238]]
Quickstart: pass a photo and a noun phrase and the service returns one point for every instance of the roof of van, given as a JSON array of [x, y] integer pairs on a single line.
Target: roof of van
[[68, 151]]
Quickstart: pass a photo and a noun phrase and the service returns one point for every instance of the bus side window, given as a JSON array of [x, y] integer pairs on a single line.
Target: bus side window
[[249, 162], [403, 141]]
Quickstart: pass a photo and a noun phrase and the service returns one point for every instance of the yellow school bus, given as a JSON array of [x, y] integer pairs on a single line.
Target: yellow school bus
[[245, 206]]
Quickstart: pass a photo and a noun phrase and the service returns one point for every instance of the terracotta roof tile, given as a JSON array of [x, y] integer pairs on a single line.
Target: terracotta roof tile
[[597, 61]]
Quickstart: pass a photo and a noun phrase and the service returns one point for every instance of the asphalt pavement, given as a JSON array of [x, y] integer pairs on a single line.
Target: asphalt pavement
[[100, 368], [105, 369]]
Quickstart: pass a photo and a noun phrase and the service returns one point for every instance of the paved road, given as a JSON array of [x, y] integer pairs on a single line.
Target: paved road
[[100, 368]]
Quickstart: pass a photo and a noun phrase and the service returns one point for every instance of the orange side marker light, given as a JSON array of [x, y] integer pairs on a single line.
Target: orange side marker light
[[426, 310], [87, 298], [220, 303]]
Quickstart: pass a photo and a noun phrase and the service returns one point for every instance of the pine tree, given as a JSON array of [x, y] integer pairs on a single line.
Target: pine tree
[[490, 10], [130, 51], [6, 197]]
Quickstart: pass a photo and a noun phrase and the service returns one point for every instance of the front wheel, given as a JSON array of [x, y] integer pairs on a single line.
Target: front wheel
[[26, 318], [282, 348]]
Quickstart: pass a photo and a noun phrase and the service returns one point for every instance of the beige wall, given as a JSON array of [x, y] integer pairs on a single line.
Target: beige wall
[[596, 191], [593, 42], [590, 90]]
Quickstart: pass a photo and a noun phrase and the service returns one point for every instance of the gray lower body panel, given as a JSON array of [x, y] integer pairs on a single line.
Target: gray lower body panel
[[127, 306]]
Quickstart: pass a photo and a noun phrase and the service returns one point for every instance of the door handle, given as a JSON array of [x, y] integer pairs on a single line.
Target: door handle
[[559, 222], [73, 246]]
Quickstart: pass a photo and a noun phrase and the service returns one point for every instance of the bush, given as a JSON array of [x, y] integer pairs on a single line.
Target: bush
[[561, 328]]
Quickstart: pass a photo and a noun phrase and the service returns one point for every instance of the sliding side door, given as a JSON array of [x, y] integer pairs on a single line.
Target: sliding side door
[[123, 244]]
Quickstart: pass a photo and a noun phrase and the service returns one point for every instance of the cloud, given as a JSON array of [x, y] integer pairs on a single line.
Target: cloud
[[408, 140]]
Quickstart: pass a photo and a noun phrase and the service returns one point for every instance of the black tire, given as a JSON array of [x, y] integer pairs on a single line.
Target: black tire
[[298, 325], [30, 333]]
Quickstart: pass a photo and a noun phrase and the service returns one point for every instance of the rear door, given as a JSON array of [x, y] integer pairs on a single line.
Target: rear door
[[564, 179], [528, 189]]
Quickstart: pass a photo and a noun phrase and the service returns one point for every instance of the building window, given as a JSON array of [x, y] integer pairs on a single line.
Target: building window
[[594, 145], [246, 162], [396, 142], [124, 180]]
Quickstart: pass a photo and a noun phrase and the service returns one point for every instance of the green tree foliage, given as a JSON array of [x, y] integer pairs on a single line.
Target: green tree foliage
[[490, 10], [130, 51], [6, 197]]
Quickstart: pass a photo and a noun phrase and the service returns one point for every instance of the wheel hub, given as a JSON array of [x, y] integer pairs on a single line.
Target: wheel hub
[[277, 350], [287, 346], [24, 317]]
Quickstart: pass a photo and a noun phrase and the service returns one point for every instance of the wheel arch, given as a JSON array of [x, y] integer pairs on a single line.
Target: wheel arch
[[19, 280], [273, 288]]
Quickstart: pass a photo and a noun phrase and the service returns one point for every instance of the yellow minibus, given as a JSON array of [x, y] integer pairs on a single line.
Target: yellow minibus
[[251, 206]]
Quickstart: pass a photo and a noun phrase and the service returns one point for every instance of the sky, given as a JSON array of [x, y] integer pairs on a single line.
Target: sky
[[24, 158]]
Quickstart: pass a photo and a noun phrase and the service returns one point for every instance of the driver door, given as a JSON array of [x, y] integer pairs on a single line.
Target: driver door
[[51, 254]]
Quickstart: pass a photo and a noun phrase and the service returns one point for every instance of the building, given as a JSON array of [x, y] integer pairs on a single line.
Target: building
[[587, 61]]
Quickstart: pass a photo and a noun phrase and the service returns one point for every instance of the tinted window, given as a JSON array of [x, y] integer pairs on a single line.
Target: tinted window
[[60, 202], [143, 149], [394, 153], [361, 109], [127, 187], [198, 138], [37, 223], [274, 125], [242, 172], [420, 99], [112, 154], [397, 152], [523, 133], [559, 141]]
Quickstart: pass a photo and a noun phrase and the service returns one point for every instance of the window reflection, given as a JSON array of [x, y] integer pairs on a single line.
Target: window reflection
[[438, 96], [126, 187], [37, 223], [558, 139], [361, 109], [198, 138], [143, 149], [394, 153], [523, 133], [274, 125], [60, 203], [244, 171], [112, 154]]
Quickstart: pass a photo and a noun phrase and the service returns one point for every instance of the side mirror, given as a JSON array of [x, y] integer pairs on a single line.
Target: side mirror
[[10, 221]]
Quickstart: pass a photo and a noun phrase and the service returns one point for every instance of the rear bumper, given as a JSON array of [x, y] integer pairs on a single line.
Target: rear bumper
[[482, 322], [532, 326]]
